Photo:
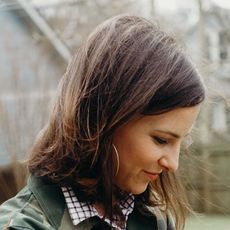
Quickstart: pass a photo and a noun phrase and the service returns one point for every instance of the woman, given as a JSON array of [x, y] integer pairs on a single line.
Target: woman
[[108, 155]]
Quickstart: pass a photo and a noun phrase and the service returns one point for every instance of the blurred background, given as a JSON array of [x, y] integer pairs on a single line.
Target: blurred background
[[38, 38]]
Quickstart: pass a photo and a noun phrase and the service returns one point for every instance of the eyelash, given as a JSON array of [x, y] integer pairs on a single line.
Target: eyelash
[[160, 140]]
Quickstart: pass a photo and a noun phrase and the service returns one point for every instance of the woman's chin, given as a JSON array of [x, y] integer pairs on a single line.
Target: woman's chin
[[137, 189]]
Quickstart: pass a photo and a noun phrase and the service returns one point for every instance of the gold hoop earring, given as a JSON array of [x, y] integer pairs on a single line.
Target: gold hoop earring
[[118, 162]]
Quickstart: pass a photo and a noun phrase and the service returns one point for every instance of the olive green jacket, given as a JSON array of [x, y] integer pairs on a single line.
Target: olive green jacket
[[41, 206]]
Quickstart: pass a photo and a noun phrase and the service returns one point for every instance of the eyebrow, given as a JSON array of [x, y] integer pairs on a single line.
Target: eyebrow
[[171, 133]]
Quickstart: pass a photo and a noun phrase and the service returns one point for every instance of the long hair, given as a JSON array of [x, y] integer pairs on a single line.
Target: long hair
[[127, 66]]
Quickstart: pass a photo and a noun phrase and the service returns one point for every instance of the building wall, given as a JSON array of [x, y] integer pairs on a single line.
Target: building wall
[[29, 76]]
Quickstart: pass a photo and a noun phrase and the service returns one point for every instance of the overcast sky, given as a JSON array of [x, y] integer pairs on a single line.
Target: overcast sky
[[168, 4], [222, 3], [173, 5]]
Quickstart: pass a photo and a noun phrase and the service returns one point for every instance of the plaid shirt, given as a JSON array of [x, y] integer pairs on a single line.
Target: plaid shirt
[[80, 211]]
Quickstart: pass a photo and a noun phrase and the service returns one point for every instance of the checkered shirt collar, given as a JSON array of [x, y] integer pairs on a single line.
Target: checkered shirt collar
[[80, 211]]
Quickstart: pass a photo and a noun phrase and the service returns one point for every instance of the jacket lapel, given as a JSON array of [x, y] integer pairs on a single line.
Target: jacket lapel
[[137, 221]]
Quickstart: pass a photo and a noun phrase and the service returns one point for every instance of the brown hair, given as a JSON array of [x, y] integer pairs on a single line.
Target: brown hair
[[127, 66]]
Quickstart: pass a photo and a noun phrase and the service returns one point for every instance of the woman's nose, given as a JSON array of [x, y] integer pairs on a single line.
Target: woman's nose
[[170, 159]]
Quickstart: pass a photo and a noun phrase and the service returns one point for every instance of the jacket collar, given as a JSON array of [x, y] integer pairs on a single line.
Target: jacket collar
[[49, 197]]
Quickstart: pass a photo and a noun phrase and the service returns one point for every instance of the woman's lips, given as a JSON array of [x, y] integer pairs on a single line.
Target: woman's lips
[[151, 175]]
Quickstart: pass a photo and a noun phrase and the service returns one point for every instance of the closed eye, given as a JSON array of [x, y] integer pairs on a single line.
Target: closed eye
[[160, 140]]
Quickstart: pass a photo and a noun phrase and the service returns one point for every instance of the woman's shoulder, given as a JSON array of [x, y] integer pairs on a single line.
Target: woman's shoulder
[[23, 212]]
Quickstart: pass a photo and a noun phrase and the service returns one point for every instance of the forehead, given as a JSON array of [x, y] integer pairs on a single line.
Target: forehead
[[177, 121]]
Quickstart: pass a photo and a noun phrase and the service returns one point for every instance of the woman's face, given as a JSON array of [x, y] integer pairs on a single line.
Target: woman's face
[[148, 145]]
